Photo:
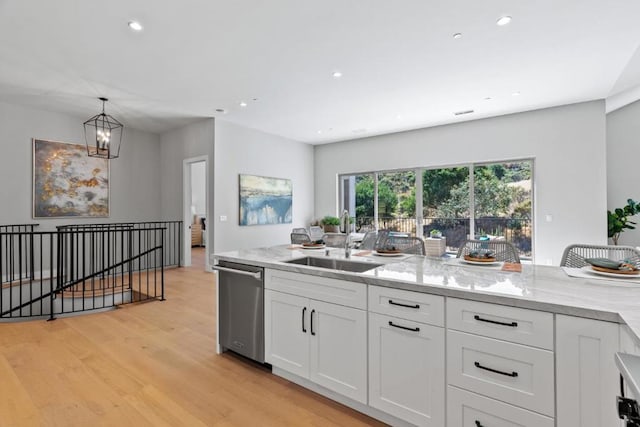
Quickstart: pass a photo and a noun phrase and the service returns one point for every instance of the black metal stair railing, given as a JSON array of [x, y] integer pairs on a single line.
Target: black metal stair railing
[[84, 267]]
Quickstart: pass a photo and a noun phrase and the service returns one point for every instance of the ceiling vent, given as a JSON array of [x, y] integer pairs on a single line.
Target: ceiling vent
[[461, 113]]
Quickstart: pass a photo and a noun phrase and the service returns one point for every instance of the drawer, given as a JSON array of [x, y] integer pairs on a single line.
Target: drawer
[[416, 306], [466, 409], [519, 325], [336, 291], [513, 373]]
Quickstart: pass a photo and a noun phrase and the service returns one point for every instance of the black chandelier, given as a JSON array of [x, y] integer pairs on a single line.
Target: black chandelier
[[103, 135]]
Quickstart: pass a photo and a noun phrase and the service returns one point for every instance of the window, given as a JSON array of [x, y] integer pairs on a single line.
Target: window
[[491, 200], [446, 204]]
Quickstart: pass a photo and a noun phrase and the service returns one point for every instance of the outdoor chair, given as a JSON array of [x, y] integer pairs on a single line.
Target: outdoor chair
[[300, 238], [316, 232], [504, 251], [574, 255], [405, 244], [300, 230], [335, 240], [369, 240]]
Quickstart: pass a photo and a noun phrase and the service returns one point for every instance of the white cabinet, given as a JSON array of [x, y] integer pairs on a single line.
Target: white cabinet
[[286, 332], [406, 369], [513, 373], [323, 342], [467, 409], [587, 380], [338, 349]]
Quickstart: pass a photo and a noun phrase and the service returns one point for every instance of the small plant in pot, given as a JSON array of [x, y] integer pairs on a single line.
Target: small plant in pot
[[331, 224], [435, 234], [618, 220]]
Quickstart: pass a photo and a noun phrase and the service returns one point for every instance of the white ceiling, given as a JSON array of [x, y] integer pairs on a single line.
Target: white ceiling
[[402, 69]]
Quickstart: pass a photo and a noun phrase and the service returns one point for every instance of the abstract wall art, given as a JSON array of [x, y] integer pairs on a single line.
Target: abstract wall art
[[68, 183], [265, 200]]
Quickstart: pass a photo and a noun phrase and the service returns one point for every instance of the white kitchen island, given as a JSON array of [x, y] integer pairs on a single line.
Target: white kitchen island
[[422, 341]]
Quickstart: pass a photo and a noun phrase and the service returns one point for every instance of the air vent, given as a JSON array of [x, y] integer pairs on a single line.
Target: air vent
[[460, 113]]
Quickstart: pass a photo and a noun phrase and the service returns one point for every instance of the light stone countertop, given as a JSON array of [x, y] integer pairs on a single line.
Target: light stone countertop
[[536, 287]]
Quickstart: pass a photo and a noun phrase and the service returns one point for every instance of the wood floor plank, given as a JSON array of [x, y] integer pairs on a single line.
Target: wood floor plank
[[151, 364]]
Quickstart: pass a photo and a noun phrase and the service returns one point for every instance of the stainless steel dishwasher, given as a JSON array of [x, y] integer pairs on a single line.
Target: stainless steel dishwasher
[[241, 309]]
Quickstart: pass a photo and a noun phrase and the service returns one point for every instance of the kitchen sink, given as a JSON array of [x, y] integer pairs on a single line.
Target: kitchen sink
[[335, 264]]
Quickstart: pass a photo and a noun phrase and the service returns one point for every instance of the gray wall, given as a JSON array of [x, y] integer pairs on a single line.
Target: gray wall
[[623, 169], [134, 177], [239, 150], [193, 140], [567, 143]]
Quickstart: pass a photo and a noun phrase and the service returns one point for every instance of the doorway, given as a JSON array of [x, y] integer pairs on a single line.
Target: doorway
[[195, 212]]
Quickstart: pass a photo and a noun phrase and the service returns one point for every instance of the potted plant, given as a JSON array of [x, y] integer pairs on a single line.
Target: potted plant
[[618, 220], [435, 234], [331, 224]]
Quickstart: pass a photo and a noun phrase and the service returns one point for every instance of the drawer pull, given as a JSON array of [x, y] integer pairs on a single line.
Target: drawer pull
[[311, 317], [403, 327], [304, 310], [513, 374], [478, 424], [495, 322], [392, 302]]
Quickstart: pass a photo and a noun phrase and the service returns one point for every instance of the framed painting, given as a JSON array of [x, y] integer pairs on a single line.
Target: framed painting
[[67, 182], [265, 200]]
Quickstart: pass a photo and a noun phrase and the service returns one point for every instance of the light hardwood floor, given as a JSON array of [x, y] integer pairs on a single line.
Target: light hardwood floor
[[151, 364]]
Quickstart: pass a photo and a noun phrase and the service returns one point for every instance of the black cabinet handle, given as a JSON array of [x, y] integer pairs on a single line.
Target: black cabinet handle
[[513, 374], [392, 302], [312, 311], [403, 327], [304, 310], [495, 322], [478, 424]]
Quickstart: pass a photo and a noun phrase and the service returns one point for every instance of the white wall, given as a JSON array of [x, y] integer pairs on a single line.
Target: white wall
[[239, 150], [193, 140], [623, 168], [134, 176], [567, 143], [199, 188]]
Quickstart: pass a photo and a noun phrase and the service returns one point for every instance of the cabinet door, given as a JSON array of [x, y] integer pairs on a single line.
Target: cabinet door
[[586, 375], [406, 369], [338, 349], [286, 342]]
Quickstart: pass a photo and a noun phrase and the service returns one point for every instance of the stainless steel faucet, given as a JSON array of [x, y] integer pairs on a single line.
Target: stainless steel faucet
[[344, 219]]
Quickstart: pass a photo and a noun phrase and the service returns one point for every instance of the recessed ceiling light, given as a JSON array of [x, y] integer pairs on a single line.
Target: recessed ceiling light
[[243, 104], [399, 117], [457, 36], [515, 94], [503, 20], [135, 25], [336, 74], [319, 132]]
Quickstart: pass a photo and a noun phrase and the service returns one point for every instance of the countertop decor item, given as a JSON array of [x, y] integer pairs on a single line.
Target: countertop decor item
[[103, 135], [618, 220], [331, 224]]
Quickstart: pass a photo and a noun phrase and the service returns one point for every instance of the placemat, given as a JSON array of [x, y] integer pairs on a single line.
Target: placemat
[[586, 274], [459, 262]]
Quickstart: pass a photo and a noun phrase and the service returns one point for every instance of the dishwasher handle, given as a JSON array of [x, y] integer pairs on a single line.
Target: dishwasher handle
[[256, 275]]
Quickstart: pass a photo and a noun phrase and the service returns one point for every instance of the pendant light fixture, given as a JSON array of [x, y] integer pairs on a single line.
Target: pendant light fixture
[[103, 135]]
